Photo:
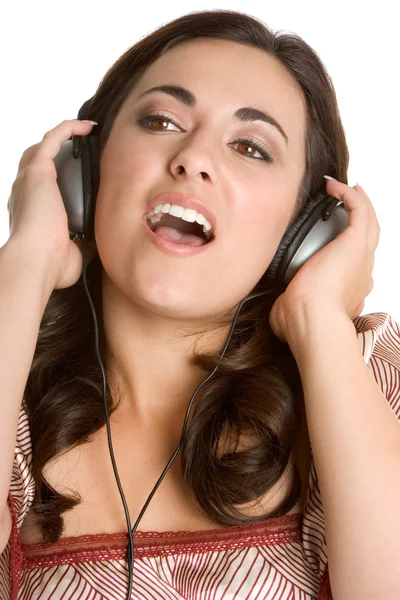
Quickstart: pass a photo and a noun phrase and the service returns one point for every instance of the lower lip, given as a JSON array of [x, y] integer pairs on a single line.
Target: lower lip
[[170, 247]]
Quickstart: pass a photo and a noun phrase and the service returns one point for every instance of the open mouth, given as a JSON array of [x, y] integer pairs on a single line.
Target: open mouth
[[179, 230]]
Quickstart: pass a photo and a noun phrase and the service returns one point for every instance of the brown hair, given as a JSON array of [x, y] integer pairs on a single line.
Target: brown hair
[[257, 390]]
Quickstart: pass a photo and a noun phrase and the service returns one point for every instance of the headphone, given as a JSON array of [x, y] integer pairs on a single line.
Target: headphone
[[77, 164]]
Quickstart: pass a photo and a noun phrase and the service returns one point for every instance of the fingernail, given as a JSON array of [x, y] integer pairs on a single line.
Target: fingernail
[[89, 122], [329, 177]]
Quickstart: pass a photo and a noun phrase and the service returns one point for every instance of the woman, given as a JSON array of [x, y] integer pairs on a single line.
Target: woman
[[288, 445]]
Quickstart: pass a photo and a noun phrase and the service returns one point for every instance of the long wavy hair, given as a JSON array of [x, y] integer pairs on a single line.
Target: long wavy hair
[[256, 394]]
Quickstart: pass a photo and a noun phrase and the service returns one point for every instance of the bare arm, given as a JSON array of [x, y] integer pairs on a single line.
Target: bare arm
[[355, 438], [26, 283], [38, 257]]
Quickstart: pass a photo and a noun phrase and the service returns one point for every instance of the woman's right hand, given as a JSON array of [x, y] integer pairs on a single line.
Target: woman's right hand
[[37, 217]]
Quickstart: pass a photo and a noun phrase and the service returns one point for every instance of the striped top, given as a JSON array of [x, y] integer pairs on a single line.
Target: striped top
[[284, 558]]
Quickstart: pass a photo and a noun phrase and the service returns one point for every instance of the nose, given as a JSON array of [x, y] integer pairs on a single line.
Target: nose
[[194, 160]]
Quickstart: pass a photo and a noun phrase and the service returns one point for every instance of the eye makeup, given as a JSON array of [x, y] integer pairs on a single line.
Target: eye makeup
[[247, 125], [248, 142], [246, 113], [246, 120]]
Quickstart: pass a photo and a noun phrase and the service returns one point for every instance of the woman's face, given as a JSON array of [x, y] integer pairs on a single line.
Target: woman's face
[[244, 172]]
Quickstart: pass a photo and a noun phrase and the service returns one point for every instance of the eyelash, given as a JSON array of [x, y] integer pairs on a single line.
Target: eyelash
[[143, 122]]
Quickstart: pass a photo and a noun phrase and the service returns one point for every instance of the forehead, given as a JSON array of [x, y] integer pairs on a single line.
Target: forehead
[[227, 75]]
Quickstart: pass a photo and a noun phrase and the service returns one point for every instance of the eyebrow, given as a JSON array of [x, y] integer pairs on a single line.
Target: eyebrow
[[246, 113]]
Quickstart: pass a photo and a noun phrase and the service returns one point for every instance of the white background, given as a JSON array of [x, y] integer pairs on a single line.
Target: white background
[[54, 54]]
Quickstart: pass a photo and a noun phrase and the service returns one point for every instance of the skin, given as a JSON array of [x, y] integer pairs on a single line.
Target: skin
[[151, 298]]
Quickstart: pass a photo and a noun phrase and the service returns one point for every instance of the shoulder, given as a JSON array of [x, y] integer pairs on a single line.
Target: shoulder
[[22, 485], [378, 331], [379, 339]]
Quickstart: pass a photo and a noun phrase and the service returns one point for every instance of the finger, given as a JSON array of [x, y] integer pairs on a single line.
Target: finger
[[359, 211], [48, 147], [374, 223], [362, 212], [52, 141], [374, 228]]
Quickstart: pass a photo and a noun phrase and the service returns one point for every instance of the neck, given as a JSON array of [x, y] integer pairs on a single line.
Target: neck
[[149, 356]]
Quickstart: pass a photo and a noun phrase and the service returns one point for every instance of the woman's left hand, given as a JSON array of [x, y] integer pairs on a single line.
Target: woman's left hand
[[339, 276]]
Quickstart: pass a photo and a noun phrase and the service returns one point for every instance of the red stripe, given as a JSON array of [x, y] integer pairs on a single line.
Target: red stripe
[[280, 559]]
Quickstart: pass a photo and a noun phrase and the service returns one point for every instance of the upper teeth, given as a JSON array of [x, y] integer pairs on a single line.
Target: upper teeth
[[187, 214]]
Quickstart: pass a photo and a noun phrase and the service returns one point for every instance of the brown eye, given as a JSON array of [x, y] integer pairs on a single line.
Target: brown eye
[[249, 150], [248, 147], [157, 123]]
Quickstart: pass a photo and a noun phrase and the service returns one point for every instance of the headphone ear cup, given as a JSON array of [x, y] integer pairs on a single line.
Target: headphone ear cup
[[322, 219], [77, 167], [90, 180]]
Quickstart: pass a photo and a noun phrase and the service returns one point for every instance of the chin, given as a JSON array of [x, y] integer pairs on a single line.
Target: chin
[[175, 304]]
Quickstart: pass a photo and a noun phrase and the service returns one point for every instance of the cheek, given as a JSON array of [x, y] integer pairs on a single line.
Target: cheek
[[254, 246], [126, 179], [258, 231], [126, 163]]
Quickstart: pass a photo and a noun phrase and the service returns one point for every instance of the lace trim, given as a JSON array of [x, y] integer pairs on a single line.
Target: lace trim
[[16, 555], [325, 585], [101, 547]]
